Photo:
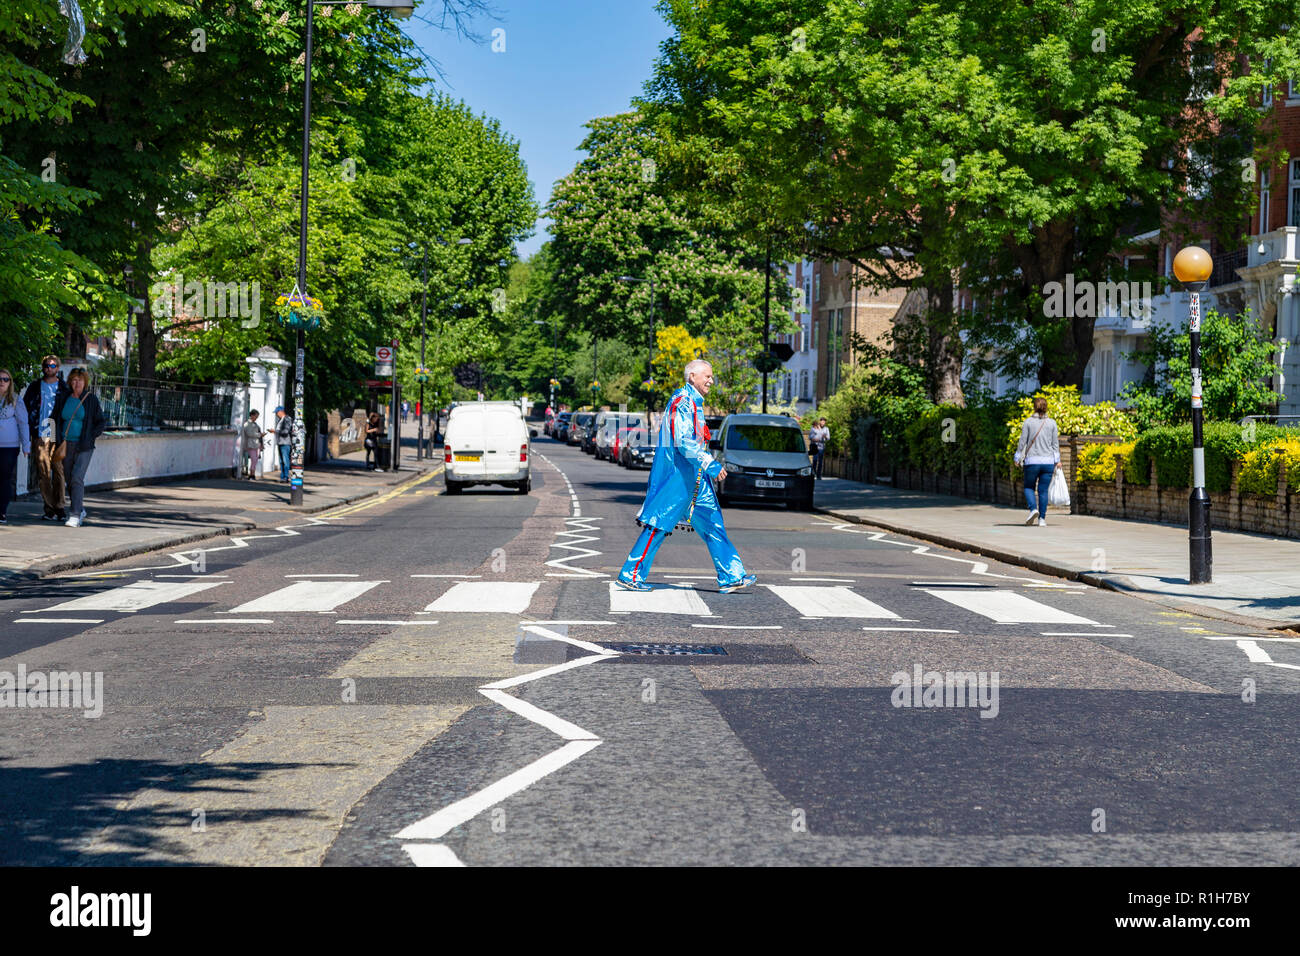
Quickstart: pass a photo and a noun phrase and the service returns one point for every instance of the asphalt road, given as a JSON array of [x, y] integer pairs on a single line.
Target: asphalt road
[[319, 694]]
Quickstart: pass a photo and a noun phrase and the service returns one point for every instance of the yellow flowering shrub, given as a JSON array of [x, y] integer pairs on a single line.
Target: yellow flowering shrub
[[1097, 460]]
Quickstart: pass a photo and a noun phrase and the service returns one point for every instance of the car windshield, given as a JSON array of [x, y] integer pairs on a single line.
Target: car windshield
[[765, 438]]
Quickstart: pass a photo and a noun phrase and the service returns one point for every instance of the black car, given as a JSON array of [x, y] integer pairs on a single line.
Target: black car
[[766, 458], [638, 452]]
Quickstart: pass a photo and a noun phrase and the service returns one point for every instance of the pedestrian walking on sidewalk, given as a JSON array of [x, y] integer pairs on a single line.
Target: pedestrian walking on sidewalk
[[1039, 451], [253, 436], [818, 437], [15, 436], [40, 398], [283, 440], [80, 421], [681, 489]]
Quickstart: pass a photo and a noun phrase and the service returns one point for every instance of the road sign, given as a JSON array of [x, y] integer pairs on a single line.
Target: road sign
[[384, 360]]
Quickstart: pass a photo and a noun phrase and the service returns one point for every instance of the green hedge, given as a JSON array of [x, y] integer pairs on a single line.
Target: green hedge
[[1170, 447]]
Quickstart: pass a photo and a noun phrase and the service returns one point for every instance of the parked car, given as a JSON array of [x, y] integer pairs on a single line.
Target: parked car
[[486, 443], [606, 431], [578, 426], [766, 458], [588, 440], [560, 426], [635, 450]]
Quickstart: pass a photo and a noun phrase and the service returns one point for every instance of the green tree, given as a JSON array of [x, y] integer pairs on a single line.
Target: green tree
[[615, 220], [923, 143], [1237, 361]]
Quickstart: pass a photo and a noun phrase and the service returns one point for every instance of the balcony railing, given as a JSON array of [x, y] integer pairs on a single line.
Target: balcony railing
[[1226, 265]]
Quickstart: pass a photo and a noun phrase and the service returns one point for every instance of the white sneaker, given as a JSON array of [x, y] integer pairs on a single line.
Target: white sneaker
[[74, 521], [1042, 522], [1033, 516]]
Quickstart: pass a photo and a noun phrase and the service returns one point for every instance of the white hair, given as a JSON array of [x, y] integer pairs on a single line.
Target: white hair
[[695, 365]]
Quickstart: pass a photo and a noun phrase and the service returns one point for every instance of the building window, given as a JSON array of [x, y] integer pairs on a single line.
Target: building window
[[1293, 207], [1265, 197], [1169, 259], [814, 333], [817, 284], [835, 267], [803, 384], [1087, 377]]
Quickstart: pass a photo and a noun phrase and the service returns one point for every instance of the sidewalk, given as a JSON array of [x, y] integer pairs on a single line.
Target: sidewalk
[[1256, 578], [133, 520]]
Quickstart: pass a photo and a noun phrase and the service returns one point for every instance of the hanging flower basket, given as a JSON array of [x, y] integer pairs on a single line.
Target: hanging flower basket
[[299, 311], [421, 375], [649, 383]]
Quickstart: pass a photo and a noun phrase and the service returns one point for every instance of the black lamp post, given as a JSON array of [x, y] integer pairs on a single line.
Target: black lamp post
[[1192, 267], [650, 340], [397, 8], [424, 320]]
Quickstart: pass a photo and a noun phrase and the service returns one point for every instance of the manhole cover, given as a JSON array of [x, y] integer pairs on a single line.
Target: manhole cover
[[668, 650]]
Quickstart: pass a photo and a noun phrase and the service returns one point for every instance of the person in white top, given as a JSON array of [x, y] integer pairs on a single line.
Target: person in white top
[[818, 437], [1039, 451], [15, 436]]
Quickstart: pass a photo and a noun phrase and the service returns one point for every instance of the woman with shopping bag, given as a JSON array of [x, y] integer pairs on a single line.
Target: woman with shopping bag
[[1039, 451]]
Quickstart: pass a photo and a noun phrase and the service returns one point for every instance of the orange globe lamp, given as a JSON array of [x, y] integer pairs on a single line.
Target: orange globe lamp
[[1193, 264]]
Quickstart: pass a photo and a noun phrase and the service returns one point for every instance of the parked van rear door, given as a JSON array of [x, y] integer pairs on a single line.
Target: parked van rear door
[[504, 433]]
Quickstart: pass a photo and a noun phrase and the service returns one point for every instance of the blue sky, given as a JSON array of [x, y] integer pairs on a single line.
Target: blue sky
[[565, 62]]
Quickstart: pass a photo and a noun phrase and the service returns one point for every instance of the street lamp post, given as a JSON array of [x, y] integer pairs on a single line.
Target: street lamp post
[[397, 8], [424, 313], [1192, 267], [767, 316], [650, 340]]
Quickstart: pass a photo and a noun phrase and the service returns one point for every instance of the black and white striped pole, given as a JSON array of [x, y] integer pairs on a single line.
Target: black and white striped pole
[[1192, 267]]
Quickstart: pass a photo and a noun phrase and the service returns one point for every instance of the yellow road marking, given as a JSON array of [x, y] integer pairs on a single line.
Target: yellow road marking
[[352, 509]]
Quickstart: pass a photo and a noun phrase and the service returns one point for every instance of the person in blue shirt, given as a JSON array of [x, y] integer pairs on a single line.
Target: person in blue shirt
[[40, 398], [681, 489], [78, 420]]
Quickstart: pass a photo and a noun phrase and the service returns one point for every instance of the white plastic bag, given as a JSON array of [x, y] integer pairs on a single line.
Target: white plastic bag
[[1058, 493]]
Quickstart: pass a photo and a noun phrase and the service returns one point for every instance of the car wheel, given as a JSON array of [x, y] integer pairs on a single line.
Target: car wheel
[[454, 487], [805, 504], [525, 486]]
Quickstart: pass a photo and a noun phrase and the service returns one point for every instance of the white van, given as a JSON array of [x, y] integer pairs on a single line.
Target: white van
[[486, 443]]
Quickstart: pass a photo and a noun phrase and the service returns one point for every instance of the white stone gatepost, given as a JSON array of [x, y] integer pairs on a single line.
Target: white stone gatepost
[[267, 372]]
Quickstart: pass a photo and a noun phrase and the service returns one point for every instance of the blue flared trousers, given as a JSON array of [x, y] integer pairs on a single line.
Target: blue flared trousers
[[708, 524]]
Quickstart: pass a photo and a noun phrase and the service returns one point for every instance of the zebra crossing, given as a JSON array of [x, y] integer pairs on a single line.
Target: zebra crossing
[[769, 606]]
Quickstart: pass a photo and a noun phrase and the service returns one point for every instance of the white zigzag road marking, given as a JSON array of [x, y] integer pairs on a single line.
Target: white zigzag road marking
[[578, 528], [186, 558], [976, 567], [578, 742], [1257, 655]]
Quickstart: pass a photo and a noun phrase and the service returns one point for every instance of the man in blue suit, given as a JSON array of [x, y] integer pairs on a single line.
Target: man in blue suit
[[681, 489]]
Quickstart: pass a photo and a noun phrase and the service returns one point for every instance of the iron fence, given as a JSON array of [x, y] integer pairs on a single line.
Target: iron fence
[[157, 406]]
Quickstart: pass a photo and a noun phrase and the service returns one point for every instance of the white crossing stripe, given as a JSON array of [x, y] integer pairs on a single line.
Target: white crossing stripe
[[308, 596], [1008, 607], [487, 597], [136, 596], [666, 599], [431, 854], [829, 602]]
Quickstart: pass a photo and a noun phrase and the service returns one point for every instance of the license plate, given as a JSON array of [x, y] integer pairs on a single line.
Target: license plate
[[768, 483], [469, 457]]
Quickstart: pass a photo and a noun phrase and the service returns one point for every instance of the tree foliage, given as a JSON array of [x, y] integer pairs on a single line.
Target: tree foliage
[[998, 146], [1237, 362]]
